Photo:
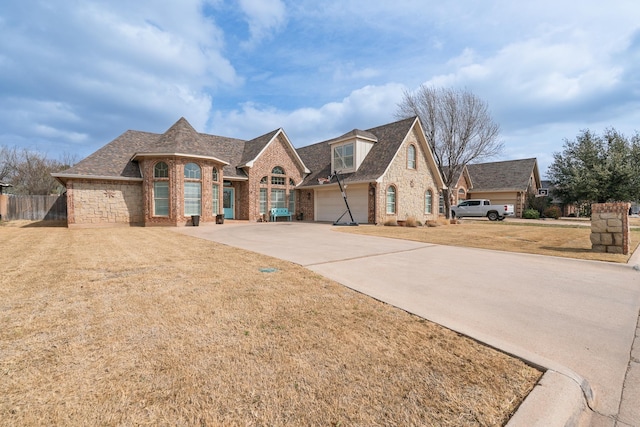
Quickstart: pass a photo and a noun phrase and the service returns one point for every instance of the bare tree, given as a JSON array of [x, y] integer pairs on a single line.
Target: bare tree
[[458, 126], [30, 172], [8, 158]]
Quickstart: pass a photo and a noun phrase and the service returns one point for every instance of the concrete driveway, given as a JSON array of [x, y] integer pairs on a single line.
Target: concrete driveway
[[576, 318]]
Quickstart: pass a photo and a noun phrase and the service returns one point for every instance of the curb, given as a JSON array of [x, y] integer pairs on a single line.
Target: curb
[[556, 400]]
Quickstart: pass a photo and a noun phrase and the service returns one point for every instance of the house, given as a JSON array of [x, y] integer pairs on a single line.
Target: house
[[566, 209], [506, 182], [163, 179], [151, 179], [389, 172]]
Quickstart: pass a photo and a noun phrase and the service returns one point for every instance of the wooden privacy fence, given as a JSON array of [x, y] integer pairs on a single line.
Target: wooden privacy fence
[[36, 208]]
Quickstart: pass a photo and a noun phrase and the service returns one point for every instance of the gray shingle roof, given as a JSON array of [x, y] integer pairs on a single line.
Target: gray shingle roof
[[510, 175], [114, 159], [317, 157]]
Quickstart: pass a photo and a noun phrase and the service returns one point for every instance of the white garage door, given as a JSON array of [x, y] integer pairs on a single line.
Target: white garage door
[[330, 204]]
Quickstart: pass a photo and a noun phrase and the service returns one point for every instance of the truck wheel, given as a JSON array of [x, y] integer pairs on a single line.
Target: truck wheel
[[493, 216]]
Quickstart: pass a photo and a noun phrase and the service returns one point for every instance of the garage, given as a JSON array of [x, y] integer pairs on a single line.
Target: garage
[[330, 204]]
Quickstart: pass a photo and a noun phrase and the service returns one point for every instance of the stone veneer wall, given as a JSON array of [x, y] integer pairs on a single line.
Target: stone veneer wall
[[411, 186], [104, 202], [610, 228]]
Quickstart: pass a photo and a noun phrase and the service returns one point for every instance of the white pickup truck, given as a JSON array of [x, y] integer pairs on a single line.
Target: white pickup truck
[[481, 207]]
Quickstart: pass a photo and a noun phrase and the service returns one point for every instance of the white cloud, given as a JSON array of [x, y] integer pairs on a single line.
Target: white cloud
[[264, 17], [364, 108]]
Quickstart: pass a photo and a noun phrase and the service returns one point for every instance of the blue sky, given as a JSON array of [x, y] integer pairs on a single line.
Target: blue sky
[[75, 74]]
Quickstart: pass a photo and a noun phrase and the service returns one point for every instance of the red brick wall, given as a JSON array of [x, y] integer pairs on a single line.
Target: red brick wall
[[278, 153], [176, 190]]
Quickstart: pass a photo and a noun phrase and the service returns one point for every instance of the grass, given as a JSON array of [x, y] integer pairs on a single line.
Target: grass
[[542, 238], [133, 326]]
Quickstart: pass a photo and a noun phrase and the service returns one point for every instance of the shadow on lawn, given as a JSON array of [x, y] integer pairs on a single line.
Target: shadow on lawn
[[45, 224]]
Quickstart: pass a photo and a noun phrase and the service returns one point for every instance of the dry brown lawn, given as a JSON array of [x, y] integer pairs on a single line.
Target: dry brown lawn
[[140, 326], [542, 237]]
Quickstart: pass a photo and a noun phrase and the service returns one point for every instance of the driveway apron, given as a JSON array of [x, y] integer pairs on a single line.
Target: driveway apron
[[575, 317]]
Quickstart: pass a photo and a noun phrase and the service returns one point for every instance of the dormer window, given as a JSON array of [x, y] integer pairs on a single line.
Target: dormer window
[[343, 157]]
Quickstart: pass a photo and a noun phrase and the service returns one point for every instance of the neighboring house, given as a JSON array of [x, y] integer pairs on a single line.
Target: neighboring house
[[505, 182], [164, 179], [389, 172], [460, 190], [566, 209]]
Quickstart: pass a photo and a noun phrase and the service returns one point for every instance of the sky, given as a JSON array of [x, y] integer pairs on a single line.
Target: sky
[[75, 74]]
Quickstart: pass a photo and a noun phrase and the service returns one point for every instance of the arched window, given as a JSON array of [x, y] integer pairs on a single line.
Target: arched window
[[461, 194], [278, 180], [214, 174], [391, 199], [161, 170], [192, 171], [161, 189], [411, 156], [428, 202], [263, 180], [192, 189]]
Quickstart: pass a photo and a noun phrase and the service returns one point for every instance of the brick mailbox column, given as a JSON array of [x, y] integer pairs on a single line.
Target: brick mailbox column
[[610, 228]]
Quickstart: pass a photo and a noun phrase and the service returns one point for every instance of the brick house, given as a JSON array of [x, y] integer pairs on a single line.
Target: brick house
[[151, 179], [506, 182]]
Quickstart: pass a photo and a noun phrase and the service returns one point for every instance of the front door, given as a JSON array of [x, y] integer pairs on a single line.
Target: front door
[[228, 203]]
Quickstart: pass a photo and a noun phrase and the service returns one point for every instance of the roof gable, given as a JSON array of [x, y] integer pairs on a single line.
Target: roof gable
[[253, 149]]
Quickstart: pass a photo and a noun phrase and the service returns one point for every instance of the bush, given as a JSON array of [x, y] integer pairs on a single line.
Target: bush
[[531, 214], [411, 222], [391, 223], [552, 212]]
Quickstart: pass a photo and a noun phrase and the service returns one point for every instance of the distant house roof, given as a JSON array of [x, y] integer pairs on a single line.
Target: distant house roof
[[4, 185], [389, 137], [116, 160], [509, 175]]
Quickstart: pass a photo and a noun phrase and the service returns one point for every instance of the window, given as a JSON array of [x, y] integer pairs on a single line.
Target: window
[[441, 204], [278, 180], [391, 199], [291, 183], [215, 174], [278, 198], [161, 189], [263, 200], [192, 171], [343, 157], [192, 198], [216, 199], [263, 180], [192, 189], [292, 201], [161, 170], [161, 198], [411, 157], [461, 194], [428, 202]]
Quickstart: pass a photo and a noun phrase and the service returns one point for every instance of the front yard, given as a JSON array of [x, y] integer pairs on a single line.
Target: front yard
[[145, 326], [535, 237]]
